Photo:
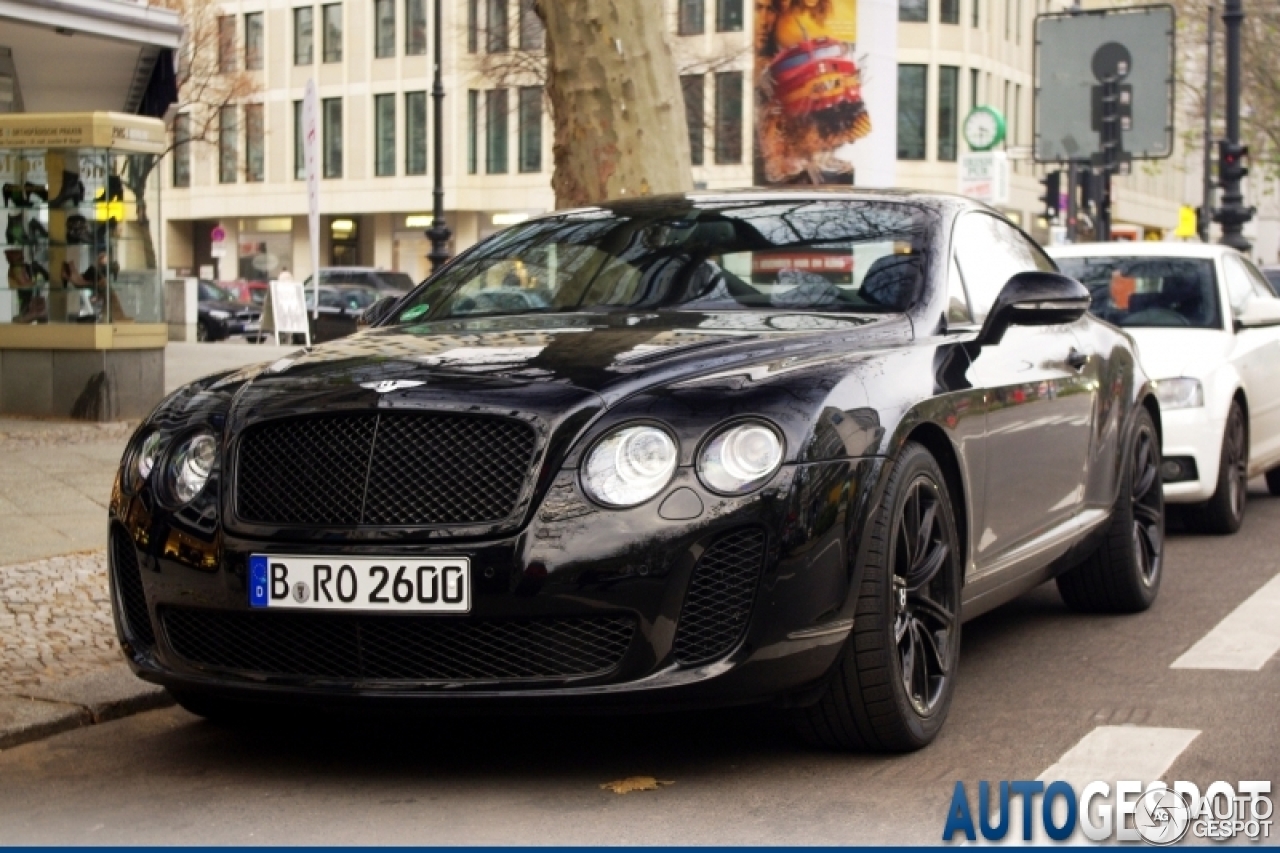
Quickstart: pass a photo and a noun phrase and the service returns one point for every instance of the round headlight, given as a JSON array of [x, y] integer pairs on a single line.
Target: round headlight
[[630, 465], [741, 458], [192, 465], [145, 459]]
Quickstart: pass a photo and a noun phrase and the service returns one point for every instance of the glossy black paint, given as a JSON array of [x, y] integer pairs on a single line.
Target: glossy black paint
[[1029, 444]]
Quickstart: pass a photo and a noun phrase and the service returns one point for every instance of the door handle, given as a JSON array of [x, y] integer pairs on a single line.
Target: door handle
[[1076, 359]]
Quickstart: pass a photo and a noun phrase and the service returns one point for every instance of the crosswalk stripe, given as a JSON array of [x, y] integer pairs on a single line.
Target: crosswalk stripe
[[1246, 639], [1109, 753]]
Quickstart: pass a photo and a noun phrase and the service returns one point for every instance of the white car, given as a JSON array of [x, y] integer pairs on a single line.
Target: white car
[[1207, 326]]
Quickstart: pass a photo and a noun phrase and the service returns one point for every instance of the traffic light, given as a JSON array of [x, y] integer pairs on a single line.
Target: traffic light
[[1233, 161], [1052, 183], [1088, 192]]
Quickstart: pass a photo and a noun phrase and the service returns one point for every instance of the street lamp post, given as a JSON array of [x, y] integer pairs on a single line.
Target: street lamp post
[[1232, 156], [439, 232]]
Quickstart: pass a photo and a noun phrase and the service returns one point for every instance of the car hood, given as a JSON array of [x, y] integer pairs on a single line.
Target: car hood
[[229, 307], [609, 355], [1169, 353]]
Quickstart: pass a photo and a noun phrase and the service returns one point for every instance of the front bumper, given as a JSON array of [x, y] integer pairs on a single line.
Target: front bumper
[[1193, 433], [571, 561]]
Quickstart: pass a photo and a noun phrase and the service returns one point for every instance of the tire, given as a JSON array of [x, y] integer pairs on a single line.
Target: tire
[[202, 332], [892, 687], [1123, 574], [1224, 512], [1273, 481]]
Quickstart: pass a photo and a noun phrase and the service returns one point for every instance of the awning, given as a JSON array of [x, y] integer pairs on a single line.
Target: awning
[[82, 55]]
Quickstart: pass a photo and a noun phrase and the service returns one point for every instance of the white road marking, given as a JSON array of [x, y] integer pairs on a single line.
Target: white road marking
[[1246, 639], [1109, 753]]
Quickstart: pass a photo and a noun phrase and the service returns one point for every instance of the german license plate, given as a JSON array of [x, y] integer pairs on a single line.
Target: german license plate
[[379, 584]]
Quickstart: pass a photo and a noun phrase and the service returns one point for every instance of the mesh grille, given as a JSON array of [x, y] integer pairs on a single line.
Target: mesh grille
[[124, 563], [383, 470], [718, 602], [397, 648]]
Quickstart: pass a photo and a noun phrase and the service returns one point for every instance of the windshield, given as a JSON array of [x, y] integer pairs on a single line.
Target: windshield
[[861, 256], [1134, 292], [210, 292]]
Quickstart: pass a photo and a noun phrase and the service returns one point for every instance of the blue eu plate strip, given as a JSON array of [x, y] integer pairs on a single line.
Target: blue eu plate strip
[[258, 580]]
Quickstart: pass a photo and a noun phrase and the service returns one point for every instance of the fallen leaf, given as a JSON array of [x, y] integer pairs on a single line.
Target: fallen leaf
[[634, 783]]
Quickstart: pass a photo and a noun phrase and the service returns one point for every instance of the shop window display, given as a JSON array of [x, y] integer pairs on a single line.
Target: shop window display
[[73, 248]]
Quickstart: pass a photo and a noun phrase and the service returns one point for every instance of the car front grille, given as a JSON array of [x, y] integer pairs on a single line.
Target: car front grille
[[717, 604], [383, 470], [133, 601], [397, 648]]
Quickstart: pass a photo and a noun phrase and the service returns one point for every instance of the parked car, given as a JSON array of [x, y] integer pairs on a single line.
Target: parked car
[[1207, 326], [380, 279], [219, 315], [759, 446], [340, 308]]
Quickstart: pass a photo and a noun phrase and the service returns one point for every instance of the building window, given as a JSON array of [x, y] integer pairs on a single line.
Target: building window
[[912, 98], [729, 117], [1014, 136], [415, 27], [182, 150], [226, 44], [691, 19], [948, 110], [728, 16], [304, 18], [498, 39], [332, 118], [415, 133], [973, 88], [384, 28], [331, 21], [228, 156], [255, 144], [530, 129], [473, 26], [253, 41], [495, 123], [977, 6], [949, 12], [533, 36], [694, 88], [384, 135], [299, 144], [913, 10], [473, 132], [1008, 18]]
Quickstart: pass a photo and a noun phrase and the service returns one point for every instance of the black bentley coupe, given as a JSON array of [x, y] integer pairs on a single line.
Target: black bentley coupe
[[697, 450]]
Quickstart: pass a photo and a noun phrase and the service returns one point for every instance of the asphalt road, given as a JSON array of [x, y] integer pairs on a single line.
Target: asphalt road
[[1038, 683]]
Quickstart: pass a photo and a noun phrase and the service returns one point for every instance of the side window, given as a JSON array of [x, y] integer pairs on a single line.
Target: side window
[[990, 252], [1239, 287], [1257, 280], [957, 301]]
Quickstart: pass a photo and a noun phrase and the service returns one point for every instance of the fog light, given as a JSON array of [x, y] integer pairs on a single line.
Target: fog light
[[1171, 469]]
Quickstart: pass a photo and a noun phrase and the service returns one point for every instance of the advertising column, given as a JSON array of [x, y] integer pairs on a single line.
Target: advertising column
[[826, 92]]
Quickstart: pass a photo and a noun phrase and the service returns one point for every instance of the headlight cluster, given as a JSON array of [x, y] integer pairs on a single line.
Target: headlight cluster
[[1180, 393], [635, 462], [188, 468]]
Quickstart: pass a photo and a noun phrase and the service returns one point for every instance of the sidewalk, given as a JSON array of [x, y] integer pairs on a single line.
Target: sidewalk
[[60, 665]]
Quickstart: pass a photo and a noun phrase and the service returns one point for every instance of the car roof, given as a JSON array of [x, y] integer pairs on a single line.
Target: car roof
[[1141, 249]]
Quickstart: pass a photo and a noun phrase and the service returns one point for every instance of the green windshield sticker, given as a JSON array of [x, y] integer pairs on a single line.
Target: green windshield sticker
[[414, 313]]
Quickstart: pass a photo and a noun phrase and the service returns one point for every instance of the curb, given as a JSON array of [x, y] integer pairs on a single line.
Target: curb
[[30, 714]]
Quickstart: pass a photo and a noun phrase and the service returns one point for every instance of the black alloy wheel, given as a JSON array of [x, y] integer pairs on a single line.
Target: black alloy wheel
[[925, 597], [1224, 512], [1123, 573], [202, 331], [892, 686]]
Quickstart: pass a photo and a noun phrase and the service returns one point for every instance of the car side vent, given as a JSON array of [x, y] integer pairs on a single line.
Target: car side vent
[[717, 605], [133, 601]]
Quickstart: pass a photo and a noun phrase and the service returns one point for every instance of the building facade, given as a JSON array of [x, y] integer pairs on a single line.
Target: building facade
[[238, 209]]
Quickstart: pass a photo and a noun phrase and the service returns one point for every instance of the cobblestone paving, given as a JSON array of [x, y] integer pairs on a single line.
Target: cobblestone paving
[[55, 616]]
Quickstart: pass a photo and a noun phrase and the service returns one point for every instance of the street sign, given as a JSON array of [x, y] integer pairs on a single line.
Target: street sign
[[285, 311], [1104, 83], [311, 158], [984, 176], [1186, 222], [218, 234]]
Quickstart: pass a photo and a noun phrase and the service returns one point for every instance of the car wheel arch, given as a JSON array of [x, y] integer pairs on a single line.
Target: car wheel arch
[[934, 439]]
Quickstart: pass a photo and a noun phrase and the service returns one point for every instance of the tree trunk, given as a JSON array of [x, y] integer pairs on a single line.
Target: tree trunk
[[616, 102]]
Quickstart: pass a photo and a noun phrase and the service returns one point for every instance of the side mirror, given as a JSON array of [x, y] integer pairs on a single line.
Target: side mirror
[[1258, 313], [377, 312], [1034, 299]]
